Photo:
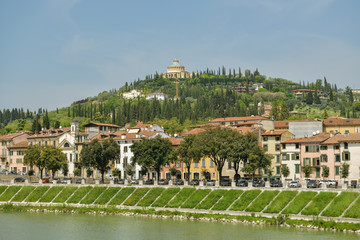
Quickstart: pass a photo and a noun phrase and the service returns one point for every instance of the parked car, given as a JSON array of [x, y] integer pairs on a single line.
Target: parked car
[[163, 182], [276, 183], [56, 179], [194, 182], [149, 182], [294, 184], [242, 183], [13, 173], [79, 180], [45, 180], [120, 181], [134, 181], [21, 173], [322, 182], [19, 179], [210, 183], [179, 182], [109, 176], [332, 183], [313, 184], [225, 181], [4, 171], [258, 183], [65, 180]]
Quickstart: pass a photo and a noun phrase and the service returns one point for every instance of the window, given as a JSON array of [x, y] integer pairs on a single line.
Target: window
[[277, 138], [346, 156], [76, 157], [196, 175], [337, 157], [45, 143], [196, 164], [316, 161], [297, 156], [203, 163], [285, 157], [337, 170], [346, 131], [284, 146], [278, 158], [317, 172], [337, 147], [323, 147], [277, 147], [70, 157], [18, 160], [54, 143], [39, 143], [324, 158], [265, 147], [265, 139], [297, 146], [346, 145], [3, 143], [306, 161], [297, 168], [211, 163], [11, 153], [125, 149], [277, 170], [66, 145]]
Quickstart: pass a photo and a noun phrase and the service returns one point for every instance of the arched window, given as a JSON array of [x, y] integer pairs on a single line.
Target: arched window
[[66, 145]]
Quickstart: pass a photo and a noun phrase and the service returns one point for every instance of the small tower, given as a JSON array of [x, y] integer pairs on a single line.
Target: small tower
[[74, 128]]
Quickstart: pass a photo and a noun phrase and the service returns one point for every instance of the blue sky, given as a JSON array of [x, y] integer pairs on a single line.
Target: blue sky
[[54, 52]]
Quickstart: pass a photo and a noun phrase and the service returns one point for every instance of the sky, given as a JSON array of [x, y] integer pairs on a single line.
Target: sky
[[55, 52]]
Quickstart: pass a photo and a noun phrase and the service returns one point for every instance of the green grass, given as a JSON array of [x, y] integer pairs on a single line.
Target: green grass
[[150, 197], [211, 199], [51, 194], [229, 197], [299, 202], [64, 195], [245, 200], [165, 197], [37, 194], [122, 195], [24, 192], [280, 202], [354, 211], [136, 196], [9, 193], [262, 201], [79, 194], [196, 198], [107, 195], [340, 203], [181, 197], [93, 195], [319, 203], [2, 189]]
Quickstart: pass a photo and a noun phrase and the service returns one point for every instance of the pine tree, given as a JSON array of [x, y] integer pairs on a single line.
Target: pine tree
[[309, 98], [46, 121]]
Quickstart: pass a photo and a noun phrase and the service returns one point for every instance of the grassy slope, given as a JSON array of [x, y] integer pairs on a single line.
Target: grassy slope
[[51, 194], [37, 194], [211, 199], [280, 202], [229, 197], [9, 193], [79, 194], [262, 201], [25, 191], [64, 195], [319, 203], [107, 195], [196, 198], [354, 211], [150, 197], [93, 195], [245, 200], [299, 203], [340, 203], [165, 197], [136, 196], [181, 197], [122, 195]]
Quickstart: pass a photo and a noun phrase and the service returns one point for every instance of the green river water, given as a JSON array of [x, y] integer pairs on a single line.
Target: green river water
[[39, 226]]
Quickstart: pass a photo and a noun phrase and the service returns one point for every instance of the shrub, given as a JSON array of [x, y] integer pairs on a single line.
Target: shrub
[[167, 195], [319, 203], [93, 195], [24, 192], [196, 198], [340, 203], [79, 194], [181, 197], [37, 194], [299, 203], [64, 195], [262, 201], [136, 196], [150, 197], [122, 195], [211, 199], [107, 195], [280, 201], [51, 194], [245, 200], [229, 197], [9, 193]]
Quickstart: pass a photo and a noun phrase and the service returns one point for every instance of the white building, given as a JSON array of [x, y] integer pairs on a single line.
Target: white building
[[290, 156], [158, 95], [350, 154], [132, 94]]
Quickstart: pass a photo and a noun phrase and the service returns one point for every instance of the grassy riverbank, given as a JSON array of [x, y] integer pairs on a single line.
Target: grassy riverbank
[[280, 220]]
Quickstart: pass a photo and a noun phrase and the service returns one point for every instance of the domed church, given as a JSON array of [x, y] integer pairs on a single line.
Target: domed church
[[176, 70]]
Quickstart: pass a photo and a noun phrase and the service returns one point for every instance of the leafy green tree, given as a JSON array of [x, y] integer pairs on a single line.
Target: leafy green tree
[[188, 153], [98, 155], [89, 172], [33, 158], [309, 98], [307, 170], [53, 158], [344, 170], [77, 172], [36, 126], [153, 153], [325, 171], [129, 170], [46, 121], [116, 172], [285, 171], [173, 172]]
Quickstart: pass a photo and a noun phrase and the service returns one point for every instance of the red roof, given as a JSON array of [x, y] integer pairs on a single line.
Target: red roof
[[274, 132], [319, 138], [48, 133], [101, 124], [340, 121], [281, 124], [10, 136], [175, 141], [23, 144], [234, 119]]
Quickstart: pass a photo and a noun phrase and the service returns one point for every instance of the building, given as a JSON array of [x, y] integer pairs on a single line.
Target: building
[[263, 122], [178, 165], [176, 70], [92, 128], [305, 128], [350, 152], [290, 156], [156, 95], [299, 93], [341, 125], [132, 94], [271, 143]]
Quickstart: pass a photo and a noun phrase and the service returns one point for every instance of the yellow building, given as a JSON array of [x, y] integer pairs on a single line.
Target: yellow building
[[176, 70], [198, 167], [271, 143], [341, 125]]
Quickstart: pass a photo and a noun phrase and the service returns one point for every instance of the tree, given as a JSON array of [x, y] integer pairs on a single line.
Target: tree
[[285, 171], [36, 126], [309, 98], [173, 172], [89, 172], [116, 172], [77, 172], [98, 155], [325, 171], [153, 153], [53, 158], [344, 170], [46, 121], [307, 170], [33, 158], [188, 153], [257, 159], [129, 170]]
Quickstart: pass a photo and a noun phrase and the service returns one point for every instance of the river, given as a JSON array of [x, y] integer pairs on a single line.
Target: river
[[48, 226]]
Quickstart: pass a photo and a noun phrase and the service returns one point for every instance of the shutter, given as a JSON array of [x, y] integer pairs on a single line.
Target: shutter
[[293, 156], [349, 155], [304, 161], [343, 156], [314, 161], [287, 156]]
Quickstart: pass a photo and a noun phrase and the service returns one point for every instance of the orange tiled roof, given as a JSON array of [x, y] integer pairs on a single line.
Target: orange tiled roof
[[102, 124], [274, 132], [233, 119], [10, 136], [23, 144], [319, 138], [333, 140], [107, 135], [336, 121], [281, 124], [53, 132], [175, 141], [351, 137], [244, 130]]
